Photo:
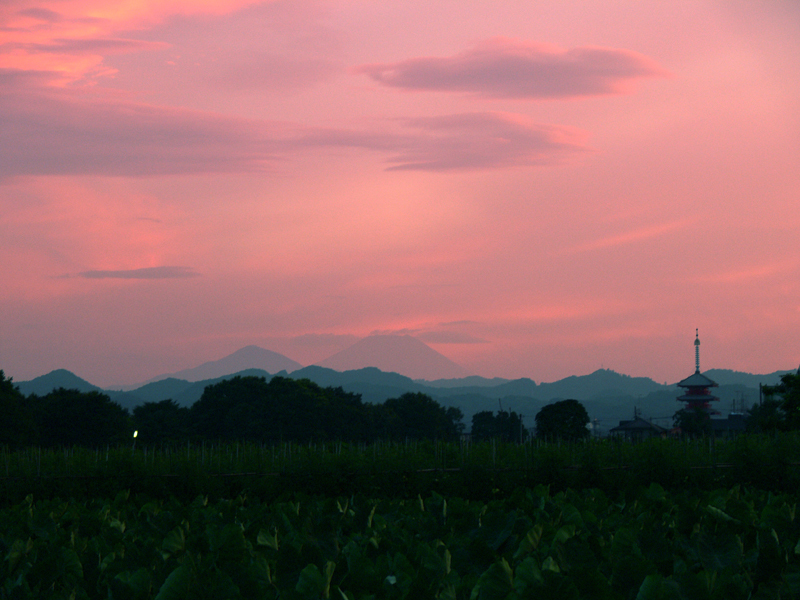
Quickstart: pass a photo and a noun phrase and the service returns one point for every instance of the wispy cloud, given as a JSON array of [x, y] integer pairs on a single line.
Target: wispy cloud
[[449, 337], [629, 237], [53, 132], [324, 339], [479, 140], [401, 331], [42, 14], [511, 68], [436, 334], [104, 46], [485, 140], [166, 272], [750, 273]]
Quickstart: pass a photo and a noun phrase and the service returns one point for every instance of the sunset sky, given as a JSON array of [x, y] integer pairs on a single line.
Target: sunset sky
[[534, 189]]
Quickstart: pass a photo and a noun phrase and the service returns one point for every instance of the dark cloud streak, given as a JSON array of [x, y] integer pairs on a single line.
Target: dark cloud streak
[[507, 68], [56, 132], [51, 134], [165, 272], [78, 47]]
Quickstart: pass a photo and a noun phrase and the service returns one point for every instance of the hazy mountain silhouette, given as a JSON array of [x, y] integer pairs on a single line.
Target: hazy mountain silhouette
[[60, 378], [601, 383], [470, 381], [373, 384], [399, 353], [728, 377], [249, 357], [608, 396], [164, 389]]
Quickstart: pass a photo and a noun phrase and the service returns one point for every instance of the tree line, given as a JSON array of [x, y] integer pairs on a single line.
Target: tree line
[[257, 410], [241, 408]]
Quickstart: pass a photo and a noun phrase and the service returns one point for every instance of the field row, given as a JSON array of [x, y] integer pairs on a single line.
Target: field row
[[399, 468], [653, 544]]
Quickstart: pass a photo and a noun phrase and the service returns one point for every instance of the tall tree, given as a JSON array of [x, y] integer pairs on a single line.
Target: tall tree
[[563, 420], [693, 422], [419, 416], [766, 417], [159, 422], [16, 418], [506, 426], [484, 426]]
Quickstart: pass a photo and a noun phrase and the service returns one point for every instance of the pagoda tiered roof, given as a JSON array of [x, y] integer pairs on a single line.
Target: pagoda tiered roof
[[698, 380]]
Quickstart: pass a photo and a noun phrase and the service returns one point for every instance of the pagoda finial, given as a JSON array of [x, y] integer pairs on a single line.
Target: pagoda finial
[[696, 350]]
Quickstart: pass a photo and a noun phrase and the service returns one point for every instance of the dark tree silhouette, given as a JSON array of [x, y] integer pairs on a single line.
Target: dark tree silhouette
[[693, 422], [787, 392], [484, 426], [250, 408], [16, 418], [564, 420], [504, 426], [766, 417], [160, 422], [418, 416], [74, 418]]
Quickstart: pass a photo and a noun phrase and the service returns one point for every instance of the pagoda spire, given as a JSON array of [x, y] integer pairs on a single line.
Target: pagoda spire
[[696, 350], [697, 396]]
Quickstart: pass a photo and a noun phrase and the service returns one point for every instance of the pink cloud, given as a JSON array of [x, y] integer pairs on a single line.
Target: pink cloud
[[509, 68], [75, 39]]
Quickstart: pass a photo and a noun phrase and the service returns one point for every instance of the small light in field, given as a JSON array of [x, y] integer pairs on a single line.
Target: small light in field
[[135, 433]]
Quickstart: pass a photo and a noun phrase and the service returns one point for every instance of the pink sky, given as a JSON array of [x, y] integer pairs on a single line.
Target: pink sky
[[535, 189]]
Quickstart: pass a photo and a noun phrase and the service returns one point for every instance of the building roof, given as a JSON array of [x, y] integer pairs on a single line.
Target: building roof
[[734, 422], [638, 424], [697, 379]]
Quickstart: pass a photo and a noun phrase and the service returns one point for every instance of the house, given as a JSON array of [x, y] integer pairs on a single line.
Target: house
[[637, 429]]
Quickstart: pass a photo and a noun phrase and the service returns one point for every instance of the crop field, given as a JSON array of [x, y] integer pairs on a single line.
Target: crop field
[[725, 544], [402, 469], [600, 519]]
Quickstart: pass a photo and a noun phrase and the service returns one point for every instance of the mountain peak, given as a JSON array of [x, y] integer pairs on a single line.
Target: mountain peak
[[401, 354], [249, 357], [60, 378]]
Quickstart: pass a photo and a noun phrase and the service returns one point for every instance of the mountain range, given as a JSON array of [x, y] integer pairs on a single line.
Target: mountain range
[[378, 368]]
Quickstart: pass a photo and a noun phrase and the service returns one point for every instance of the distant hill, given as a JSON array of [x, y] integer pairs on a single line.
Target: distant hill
[[601, 383], [184, 393], [373, 384], [728, 377], [402, 354], [249, 357], [165, 389], [60, 378], [470, 381]]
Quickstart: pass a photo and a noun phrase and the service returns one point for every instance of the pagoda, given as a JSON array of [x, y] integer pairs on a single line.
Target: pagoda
[[697, 396]]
